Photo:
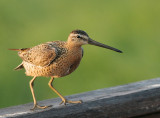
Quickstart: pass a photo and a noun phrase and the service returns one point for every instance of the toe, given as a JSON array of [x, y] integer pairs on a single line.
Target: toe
[[40, 107], [65, 101]]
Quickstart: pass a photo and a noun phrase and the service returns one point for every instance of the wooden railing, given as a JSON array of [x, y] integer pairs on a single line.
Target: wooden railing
[[140, 99]]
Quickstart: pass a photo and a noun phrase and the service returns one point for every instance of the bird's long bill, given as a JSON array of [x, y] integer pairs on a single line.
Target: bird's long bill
[[92, 42]]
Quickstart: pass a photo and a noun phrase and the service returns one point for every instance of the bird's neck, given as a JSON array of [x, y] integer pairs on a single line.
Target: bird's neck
[[74, 49], [72, 44]]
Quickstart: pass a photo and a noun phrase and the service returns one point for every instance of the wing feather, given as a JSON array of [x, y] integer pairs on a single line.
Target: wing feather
[[41, 55]]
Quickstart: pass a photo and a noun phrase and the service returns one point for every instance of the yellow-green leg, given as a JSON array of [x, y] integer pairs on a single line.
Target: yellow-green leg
[[34, 99], [64, 100]]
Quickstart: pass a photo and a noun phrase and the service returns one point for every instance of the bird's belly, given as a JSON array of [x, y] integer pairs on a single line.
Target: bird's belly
[[56, 69], [65, 67], [33, 70]]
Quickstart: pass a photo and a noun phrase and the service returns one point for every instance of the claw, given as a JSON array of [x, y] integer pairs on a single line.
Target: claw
[[40, 107], [65, 101]]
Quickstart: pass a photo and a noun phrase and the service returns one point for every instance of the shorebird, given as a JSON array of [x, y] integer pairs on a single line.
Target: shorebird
[[55, 59]]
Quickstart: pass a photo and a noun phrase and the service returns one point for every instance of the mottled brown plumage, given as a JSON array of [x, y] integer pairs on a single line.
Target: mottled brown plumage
[[55, 59]]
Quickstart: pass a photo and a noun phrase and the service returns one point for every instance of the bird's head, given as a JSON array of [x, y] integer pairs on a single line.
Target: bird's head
[[80, 37]]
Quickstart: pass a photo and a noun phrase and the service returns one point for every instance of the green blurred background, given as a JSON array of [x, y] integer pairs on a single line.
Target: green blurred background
[[132, 26]]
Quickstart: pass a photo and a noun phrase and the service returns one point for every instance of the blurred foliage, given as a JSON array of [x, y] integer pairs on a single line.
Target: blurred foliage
[[132, 26]]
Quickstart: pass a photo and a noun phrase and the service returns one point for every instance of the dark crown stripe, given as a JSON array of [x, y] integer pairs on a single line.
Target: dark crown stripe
[[79, 32]]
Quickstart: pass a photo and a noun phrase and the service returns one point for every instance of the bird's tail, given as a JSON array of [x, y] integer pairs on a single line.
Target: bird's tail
[[23, 49], [19, 67], [15, 49]]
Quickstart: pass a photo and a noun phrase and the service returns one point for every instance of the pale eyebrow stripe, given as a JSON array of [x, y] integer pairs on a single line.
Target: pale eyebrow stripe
[[83, 36], [73, 34]]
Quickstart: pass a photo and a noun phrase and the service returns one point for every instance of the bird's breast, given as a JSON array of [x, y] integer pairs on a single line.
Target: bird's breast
[[69, 61]]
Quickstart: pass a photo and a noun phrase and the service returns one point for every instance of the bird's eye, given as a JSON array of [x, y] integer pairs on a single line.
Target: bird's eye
[[78, 36]]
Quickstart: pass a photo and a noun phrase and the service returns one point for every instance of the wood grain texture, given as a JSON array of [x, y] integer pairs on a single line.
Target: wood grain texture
[[131, 100]]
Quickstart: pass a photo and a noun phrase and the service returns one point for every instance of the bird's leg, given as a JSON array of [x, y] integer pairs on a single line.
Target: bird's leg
[[34, 99], [64, 100]]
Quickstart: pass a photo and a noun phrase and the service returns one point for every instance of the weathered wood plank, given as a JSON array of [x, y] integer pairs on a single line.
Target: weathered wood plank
[[129, 100]]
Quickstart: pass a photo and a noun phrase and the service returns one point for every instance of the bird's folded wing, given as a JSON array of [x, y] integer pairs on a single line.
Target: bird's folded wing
[[41, 55]]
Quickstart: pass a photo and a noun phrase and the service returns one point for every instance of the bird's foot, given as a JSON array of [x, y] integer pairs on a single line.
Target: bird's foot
[[40, 107], [65, 101]]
